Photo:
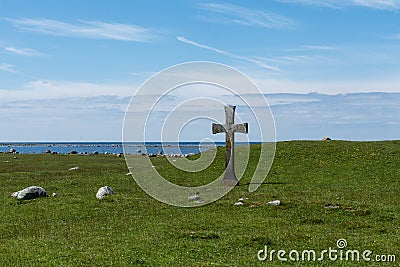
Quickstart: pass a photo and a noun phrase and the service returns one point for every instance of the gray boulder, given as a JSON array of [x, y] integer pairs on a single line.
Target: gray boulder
[[30, 193], [104, 191]]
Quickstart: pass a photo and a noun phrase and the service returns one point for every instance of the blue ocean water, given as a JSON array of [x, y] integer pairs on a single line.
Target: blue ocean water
[[109, 147]]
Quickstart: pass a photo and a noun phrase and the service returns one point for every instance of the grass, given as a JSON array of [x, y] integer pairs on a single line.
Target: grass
[[132, 229]]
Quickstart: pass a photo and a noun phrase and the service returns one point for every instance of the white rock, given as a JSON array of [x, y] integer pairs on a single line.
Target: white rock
[[129, 173], [331, 207], [243, 199], [73, 169], [54, 194], [274, 203], [104, 191], [30, 193], [195, 197], [239, 203]]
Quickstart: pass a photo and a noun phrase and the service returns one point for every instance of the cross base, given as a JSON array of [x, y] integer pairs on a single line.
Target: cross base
[[230, 176], [229, 182]]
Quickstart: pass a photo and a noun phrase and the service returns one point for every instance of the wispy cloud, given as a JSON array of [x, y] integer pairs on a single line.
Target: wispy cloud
[[374, 4], [392, 36], [23, 51], [228, 13], [222, 52], [321, 47], [314, 48], [86, 29], [7, 67]]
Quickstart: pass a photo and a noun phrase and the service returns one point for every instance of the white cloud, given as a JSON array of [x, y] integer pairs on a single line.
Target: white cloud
[[222, 52], [23, 51], [379, 4], [364, 116], [246, 16], [7, 67], [86, 29], [373, 116], [374, 4], [328, 87], [40, 89]]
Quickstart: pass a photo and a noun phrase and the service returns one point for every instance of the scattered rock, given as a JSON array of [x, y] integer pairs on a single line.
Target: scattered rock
[[195, 197], [54, 194], [326, 139], [74, 152], [12, 150], [239, 203], [331, 206], [73, 169], [48, 151], [129, 173], [274, 203], [95, 152], [104, 191], [119, 155], [30, 193], [242, 199]]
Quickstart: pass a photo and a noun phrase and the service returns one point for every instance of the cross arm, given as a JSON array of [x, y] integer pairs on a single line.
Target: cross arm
[[218, 128], [241, 128]]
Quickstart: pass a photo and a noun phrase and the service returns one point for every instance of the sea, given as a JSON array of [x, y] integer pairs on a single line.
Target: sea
[[180, 148]]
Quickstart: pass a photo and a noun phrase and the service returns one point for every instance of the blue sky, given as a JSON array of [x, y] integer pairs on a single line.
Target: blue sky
[[69, 68]]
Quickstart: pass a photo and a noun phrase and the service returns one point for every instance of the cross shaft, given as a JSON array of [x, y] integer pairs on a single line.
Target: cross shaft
[[230, 128]]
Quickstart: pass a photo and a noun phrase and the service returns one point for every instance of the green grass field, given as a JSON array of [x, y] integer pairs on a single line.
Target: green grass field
[[130, 228]]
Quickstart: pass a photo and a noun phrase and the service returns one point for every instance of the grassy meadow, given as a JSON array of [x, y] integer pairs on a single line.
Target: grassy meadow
[[328, 189]]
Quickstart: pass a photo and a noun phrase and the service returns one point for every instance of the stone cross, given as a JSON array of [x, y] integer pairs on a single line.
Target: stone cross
[[230, 128]]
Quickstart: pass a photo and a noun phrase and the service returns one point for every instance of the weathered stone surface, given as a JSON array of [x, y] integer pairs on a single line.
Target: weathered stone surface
[[30, 193], [104, 191]]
